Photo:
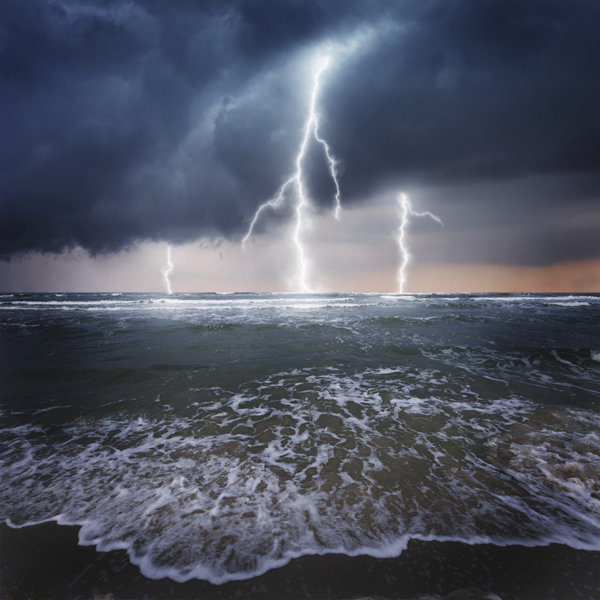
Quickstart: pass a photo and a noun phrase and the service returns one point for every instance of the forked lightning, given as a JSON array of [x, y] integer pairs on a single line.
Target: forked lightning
[[297, 181], [405, 211]]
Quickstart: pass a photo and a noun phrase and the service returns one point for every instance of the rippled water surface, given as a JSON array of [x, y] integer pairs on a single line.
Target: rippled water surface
[[218, 436]]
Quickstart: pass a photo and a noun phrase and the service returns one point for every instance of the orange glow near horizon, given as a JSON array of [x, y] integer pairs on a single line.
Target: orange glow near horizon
[[573, 276]]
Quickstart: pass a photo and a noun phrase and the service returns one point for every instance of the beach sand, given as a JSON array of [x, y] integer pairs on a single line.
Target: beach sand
[[45, 561]]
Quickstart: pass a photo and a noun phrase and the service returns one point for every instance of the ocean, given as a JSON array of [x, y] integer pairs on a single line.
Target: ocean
[[220, 437]]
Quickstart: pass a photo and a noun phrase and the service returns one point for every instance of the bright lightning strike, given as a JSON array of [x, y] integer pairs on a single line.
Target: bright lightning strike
[[167, 271], [405, 211], [311, 128], [332, 164]]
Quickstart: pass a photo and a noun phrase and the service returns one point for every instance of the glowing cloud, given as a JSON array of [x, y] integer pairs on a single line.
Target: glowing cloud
[[405, 211], [311, 129], [168, 269]]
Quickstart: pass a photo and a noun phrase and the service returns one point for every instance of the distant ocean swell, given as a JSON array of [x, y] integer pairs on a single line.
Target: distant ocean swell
[[264, 437]]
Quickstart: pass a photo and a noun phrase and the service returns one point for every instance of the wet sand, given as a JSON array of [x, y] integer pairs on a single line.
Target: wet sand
[[45, 561]]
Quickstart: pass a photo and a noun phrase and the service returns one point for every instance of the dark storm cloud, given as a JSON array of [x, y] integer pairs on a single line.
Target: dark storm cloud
[[126, 121], [477, 89], [535, 221]]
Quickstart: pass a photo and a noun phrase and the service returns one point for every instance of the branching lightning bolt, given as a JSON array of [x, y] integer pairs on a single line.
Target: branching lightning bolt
[[332, 167], [405, 211], [311, 128], [167, 271]]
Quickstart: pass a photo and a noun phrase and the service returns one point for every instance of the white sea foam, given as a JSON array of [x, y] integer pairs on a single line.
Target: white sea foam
[[444, 436], [534, 300], [570, 303], [315, 462]]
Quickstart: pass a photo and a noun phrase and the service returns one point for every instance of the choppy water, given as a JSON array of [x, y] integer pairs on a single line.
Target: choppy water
[[219, 436]]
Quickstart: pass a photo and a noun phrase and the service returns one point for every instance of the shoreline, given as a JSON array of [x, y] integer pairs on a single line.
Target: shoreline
[[45, 562]]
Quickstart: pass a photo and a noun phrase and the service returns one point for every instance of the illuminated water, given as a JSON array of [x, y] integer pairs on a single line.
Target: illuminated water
[[219, 436]]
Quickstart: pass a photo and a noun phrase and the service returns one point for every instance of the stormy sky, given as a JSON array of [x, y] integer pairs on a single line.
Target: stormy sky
[[131, 122]]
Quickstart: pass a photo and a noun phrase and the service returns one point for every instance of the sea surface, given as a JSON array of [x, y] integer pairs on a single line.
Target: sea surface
[[218, 436]]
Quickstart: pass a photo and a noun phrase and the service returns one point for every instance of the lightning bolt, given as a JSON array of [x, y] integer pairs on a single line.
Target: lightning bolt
[[405, 211], [311, 129], [167, 271], [333, 171]]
